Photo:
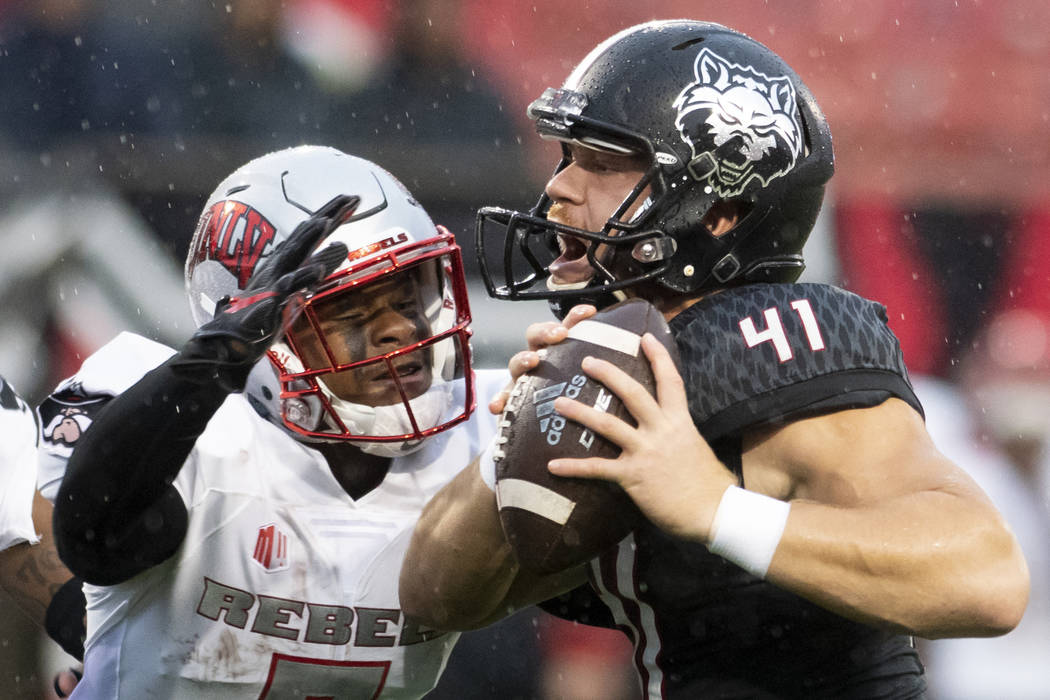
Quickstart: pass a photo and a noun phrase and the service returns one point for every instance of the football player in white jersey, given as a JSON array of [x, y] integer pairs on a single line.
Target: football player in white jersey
[[30, 570], [241, 506]]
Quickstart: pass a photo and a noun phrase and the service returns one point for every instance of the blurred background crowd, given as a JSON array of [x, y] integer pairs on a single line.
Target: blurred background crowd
[[118, 117]]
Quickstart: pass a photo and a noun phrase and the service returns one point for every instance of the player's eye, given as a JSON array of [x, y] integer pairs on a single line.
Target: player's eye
[[408, 308], [354, 317]]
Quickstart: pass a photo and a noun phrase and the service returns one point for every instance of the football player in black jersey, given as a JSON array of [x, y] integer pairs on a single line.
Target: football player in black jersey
[[801, 524]]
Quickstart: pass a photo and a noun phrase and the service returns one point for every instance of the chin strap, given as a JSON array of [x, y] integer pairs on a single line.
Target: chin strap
[[560, 306], [429, 409]]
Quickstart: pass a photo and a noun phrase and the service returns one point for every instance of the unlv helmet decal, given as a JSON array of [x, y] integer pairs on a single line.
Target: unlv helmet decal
[[389, 242], [234, 234], [740, 124]]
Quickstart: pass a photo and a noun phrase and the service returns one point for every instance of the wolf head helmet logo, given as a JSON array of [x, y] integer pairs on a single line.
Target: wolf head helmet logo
[[740, 124]]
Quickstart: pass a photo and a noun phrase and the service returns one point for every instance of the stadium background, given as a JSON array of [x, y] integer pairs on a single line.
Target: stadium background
[[118, 118]]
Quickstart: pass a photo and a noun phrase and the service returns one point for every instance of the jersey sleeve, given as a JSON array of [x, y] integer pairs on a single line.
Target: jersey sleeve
[[762, 354], [17, 468], [68, 411]]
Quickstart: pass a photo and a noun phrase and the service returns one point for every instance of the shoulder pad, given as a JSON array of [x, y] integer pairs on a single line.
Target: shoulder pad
[[67, 412], [117, 365], [774, 352]]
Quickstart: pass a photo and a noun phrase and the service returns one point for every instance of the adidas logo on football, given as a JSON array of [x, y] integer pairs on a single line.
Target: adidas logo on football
[[551, 423]]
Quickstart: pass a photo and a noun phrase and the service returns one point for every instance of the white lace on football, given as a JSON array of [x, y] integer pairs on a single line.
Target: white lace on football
[[500, 440], [506, 419]]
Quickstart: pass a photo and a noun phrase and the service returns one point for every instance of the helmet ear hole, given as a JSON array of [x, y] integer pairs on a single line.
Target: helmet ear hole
[[723, 216]]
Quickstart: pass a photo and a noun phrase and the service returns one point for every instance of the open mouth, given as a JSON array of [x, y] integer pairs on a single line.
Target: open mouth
[[408, 369], [404, 370], [572, 266], [571, 248], [411, 374]]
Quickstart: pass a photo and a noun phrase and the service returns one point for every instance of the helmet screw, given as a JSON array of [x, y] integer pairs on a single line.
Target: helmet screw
[[296, 411], [688, 270], [648, 252]]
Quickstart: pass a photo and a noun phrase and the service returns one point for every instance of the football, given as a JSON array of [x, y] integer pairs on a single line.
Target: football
[[555, 522]]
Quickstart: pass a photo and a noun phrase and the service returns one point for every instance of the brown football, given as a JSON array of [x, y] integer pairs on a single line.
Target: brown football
[[554, 522]]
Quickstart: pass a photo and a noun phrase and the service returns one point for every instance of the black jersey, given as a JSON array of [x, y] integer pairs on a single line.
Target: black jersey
[[702, 627]]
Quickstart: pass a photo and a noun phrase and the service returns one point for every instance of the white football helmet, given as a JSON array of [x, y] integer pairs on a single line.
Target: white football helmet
[[379, 354]]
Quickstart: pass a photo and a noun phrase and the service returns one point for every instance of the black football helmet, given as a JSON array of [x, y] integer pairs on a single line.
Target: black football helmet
[[718, 117]]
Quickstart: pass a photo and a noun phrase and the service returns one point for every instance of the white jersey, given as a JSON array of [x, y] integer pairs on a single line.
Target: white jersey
[[17, 469], [284, 587]]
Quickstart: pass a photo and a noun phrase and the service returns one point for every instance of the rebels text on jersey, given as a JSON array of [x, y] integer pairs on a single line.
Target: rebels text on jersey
[[284, 586], [701, 626]]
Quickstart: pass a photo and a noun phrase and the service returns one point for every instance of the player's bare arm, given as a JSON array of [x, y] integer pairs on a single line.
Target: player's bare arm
[[459, 572], [882, 528], [917, 545], [41, 586], [33, 574]]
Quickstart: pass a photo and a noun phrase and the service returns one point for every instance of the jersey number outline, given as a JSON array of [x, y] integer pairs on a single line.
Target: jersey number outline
[[774, 332], [327, 679]]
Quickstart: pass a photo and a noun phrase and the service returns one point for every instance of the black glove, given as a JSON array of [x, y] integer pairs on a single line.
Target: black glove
[[226, 348]]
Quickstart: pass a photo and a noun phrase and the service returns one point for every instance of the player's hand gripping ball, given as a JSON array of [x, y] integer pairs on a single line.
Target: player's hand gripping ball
[[554, 522]]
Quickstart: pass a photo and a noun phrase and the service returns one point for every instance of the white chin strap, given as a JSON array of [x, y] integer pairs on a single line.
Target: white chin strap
[[428, 408], [559, 286]]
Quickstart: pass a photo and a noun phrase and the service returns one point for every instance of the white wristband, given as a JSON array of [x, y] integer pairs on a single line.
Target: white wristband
[[747, 529]]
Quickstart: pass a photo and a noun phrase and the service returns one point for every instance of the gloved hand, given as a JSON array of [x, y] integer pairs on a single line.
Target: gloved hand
[[226, 348]]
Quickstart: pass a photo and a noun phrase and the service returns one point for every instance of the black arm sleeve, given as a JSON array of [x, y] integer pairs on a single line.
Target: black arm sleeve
[[117, 512]]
